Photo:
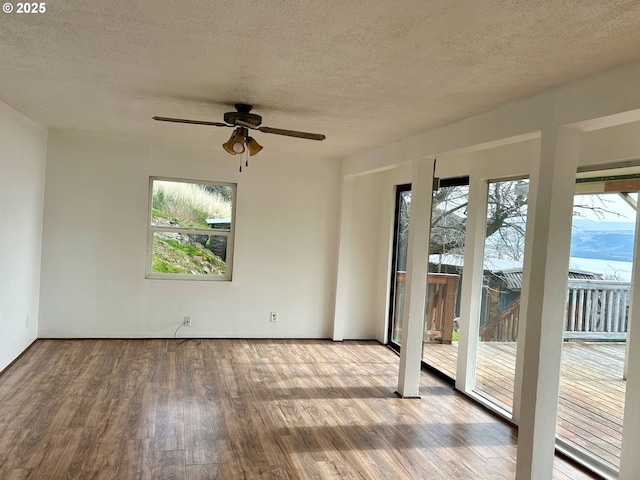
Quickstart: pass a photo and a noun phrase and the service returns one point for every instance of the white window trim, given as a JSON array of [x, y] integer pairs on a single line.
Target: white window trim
[[151, 230]]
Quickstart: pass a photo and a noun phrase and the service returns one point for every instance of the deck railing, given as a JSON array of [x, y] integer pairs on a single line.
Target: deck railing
[[442, 290], [438, 322], [596, 310], [503, 326]]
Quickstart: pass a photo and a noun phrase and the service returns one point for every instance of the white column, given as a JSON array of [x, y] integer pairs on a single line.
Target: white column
[[630, 460], [524, 299], [636, 260], [344, 250], [543, 301], [415, 290], [471, 294]]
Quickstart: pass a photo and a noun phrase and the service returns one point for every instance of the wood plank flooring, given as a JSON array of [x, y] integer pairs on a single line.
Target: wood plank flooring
[[239, 409], [591, 400]]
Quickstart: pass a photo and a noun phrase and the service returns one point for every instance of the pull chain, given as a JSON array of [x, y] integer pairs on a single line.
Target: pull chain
[[246, 157]]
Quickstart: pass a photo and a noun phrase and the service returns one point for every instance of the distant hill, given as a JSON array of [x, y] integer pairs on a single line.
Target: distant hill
[[596, 226], [602, 240]]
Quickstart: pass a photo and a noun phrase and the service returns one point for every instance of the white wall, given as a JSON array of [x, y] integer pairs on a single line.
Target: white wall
[[95, 231], [361, 315], [22, 168]]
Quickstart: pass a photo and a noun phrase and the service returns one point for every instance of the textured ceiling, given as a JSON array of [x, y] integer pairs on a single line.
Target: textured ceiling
[[365, 73]]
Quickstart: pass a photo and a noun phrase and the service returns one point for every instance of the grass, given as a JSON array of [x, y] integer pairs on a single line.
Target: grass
[[188, 203], [160, 266]]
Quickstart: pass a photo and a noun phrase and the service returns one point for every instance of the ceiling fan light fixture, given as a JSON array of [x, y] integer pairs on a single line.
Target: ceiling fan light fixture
[[235, 144], [253, 146], [228, 147], [241, 121]]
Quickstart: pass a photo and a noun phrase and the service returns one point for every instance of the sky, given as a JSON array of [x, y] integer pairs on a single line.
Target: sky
[[611, 202]]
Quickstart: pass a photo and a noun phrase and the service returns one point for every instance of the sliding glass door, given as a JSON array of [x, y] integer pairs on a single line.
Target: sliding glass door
[[399, 264], [446, 247]]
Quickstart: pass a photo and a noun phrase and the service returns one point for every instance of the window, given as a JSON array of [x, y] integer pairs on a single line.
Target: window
[[190, 229]]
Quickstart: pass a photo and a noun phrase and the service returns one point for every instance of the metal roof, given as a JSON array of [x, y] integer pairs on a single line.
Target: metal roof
[[512, 279]]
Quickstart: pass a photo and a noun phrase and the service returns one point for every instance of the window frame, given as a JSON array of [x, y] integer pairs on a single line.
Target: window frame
[[153, 229]]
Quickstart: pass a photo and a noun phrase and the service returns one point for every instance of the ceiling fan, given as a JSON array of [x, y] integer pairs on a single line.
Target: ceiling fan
[[243, 121]]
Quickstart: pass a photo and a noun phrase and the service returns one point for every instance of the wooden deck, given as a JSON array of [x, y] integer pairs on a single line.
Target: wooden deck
[[591, 404]]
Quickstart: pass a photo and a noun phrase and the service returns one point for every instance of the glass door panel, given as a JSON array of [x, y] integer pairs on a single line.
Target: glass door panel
[[592, 385], [399, 266], [502, 284], [446, 249]]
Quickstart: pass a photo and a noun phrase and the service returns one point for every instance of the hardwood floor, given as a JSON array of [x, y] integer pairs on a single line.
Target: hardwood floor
[[233, 409]]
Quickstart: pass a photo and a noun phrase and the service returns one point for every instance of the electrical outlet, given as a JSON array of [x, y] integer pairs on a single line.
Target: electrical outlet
[[274, 317], [187, 321]]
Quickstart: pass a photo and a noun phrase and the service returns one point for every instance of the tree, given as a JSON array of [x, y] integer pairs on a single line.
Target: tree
[[505, 223]]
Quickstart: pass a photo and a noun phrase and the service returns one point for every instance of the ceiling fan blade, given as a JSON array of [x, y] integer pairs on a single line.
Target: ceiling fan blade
[[292, 133], [192, 122]]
